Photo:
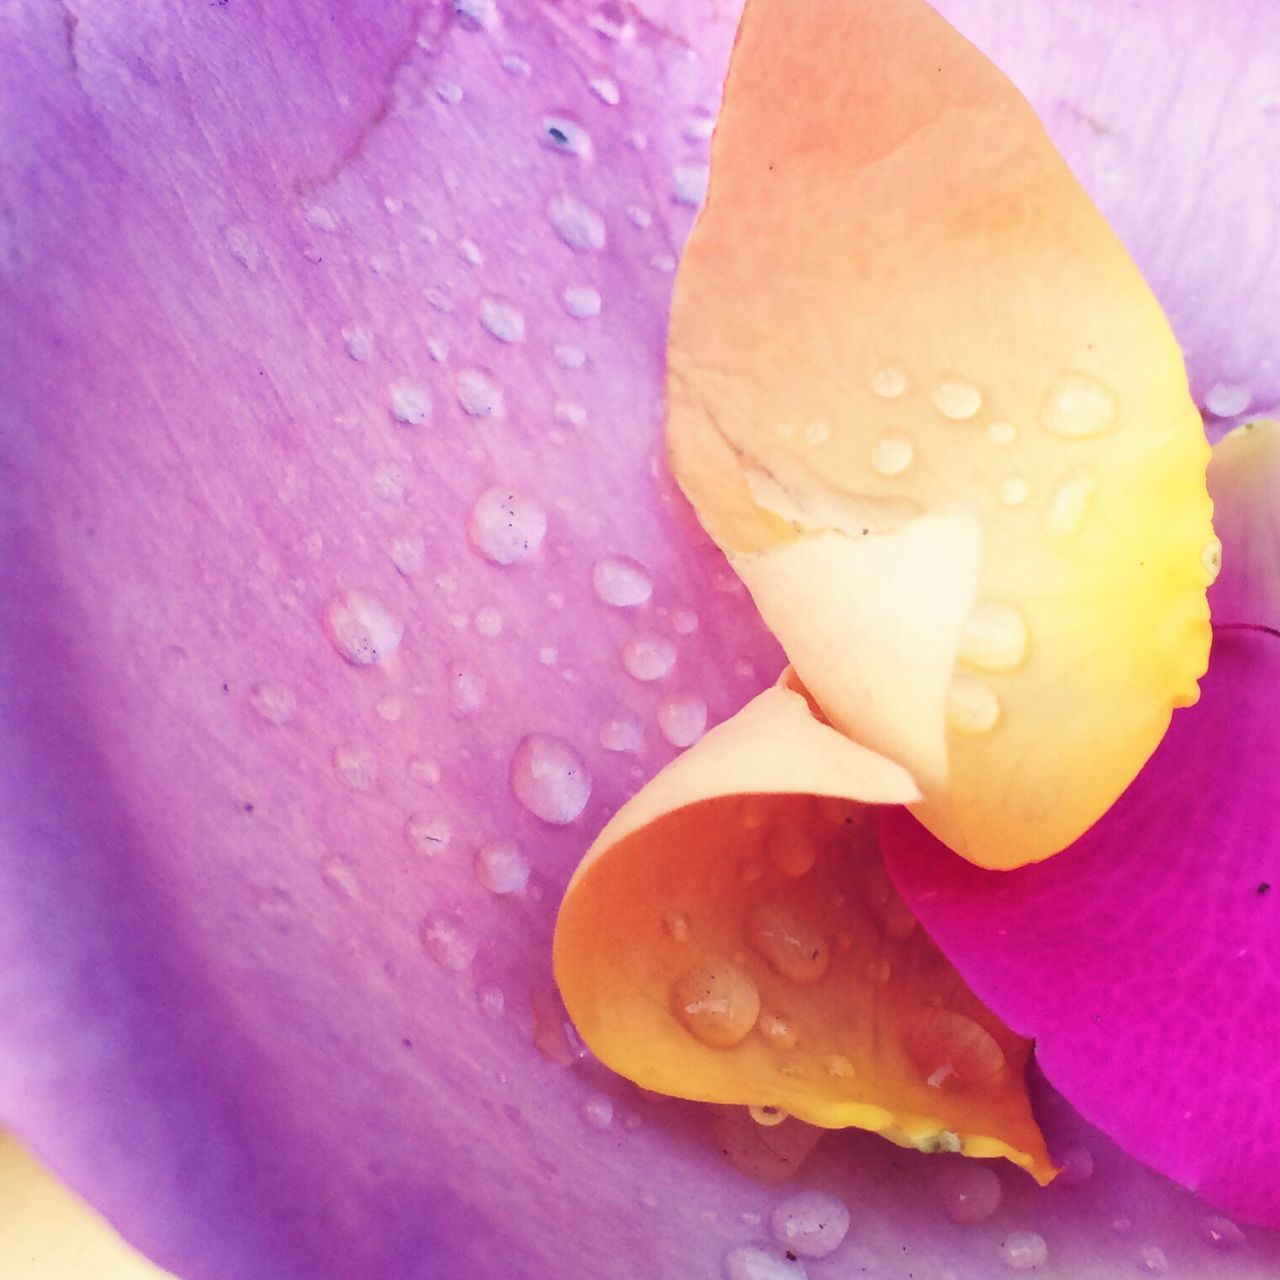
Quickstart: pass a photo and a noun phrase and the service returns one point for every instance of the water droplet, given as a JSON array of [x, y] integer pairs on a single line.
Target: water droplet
[[971, 1191], [606, 90], [357, 766], [410, 403], [682, 718], [275, 703], [582, 301], [428, 833], [578, 226], [648, 657], [1069, 505], [321, 218], [492, 1001], [340, 876], [1013, 491], [570, 357], [478, 15], [358, 341], [690, 183], [816, 433], [449, 91], [1226, 400], [792, 851], [502, 868], [553, 1034], [408, 554], [469, 252], [889, 383], [790, 944], [276, 906], [768, 1117], [621, 582], [244, 248], [488, 622], [639, 216], [1079, 407], [749, 1262], [811, 1224], [718, 1002], [1152, 1260], [956, 399], [1222, 1233], [389, 708], [469, 689], [506, 527], [362, 629], [478, 394], [953, 1051], [565, 135], [502, 320], [1023, 1251], [597, 1111], [675, 924], [839, 1067], [1211, 558], [777, 1030], [892, 455], [425, 771], [1076, 1167], [446, 944], [438, 349], [971, 705], [571, 412], [1001, 433], [549, 778], [622, 733], [995, 637], [684, 622]]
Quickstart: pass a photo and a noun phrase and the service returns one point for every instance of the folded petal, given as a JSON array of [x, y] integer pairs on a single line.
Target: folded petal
[[730, 937], [911, 364], [1143, 960]]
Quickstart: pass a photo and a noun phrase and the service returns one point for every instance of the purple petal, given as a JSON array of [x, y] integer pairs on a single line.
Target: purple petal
[[1169, 112]]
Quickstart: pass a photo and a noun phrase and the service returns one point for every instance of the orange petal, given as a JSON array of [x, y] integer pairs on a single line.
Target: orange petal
[[732, 937], [924, 400]]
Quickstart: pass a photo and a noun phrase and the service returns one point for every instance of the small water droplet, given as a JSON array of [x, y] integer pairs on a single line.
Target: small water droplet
[[597, 1111], [952, 1051], [569, 356], [582, 301], [648, 657], [1023, 1251], [410, 403], [469, 690], [972, 707], [792, 851], [606, 90], [357, 766], [622, 733], [750, 1262], [767, 1117], [812, 1224], [1079, 407], [549, 778], [1001, 433], [621, 582], [358, 341], [892, 455], [1152, 1260], [578, 226], [502, 868], [502, 320], [956, 399], [777, 1030], [1227, 400], [566, 136], [275, 703], [446, 944], [995, 637], [340, 876], [244, 248], [839, 1067], [684, 622], [276, 906], [321, 218], [1222, 1233], [492, 1001], [450, 92], [408, 554], [1211, 558], [1013, 491], [362, 629], [639, 216], [889, 383], [682, 719], [478, 394], [389, 708], [1076, 1167], [1069, 505], [971, 1191], [488, 622], [675, 924], [438, 349], [428, 833], [690, 184], [718, 1002], [816, 433], [506, 527], [791, 945], [425, 771], [470, 253], [476, 15]]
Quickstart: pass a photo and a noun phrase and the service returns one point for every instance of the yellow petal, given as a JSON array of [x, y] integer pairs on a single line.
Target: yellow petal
[[732, 937], [898, 314]]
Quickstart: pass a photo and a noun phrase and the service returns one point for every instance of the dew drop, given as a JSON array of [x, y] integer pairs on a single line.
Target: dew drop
[[621, 582], [1152, 1260], [389, 708], [357, 766], [889, 383], [971, 1191], [469, 252], [1013, 491], [839, 1067], [428, 833], [597, 1111], [469, 690], [549, 778], [502, 868], [492, 1001], [622, 733], [578, 226], [792, 851], [718, 1002], [362, 629], [952, 1051], [750, 1262], [410, 403], [340, 876], [690, 184], [648, 657], [478, 394], [812, 1224], [1226, 400], [275, 703], [358, 341], [566, 136], [1069, 505], [682, 719], [816, 433], [581, 301], [1001, 433], [478, 15], [502, 320], [1076, 1167], [892, 455], [791, 945], [446, 944], [506, 527], [449, 91], [1023, 1251], [244, 248], [971, 705], [606, 90], [777, 1030], [488, 622], [675, 924], [995, 637], [1222, 1233], [956, 399], [1079, 407], [1211, 558], [767, 1117]]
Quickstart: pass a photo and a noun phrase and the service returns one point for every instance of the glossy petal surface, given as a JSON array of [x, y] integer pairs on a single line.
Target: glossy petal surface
[[916, 378]]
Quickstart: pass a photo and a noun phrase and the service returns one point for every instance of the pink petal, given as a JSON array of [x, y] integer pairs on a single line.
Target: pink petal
[[1169, 112], [1144, 959]]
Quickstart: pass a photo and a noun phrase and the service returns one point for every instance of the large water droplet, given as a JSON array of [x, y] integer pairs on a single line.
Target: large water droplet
[[1227, 400], [410, 403], [621, 582], [812, 1224], [892, 455], [362, 629], [502, 868], [971, 1191], [956, 399], [971, 705], [995, 637], [549, 778], [502, 320], [578, 226], [953, 1051], [790, 943], [506, 527], [446, 944], [648, 657], [1023, 1251], [1069, 505], [1079, 407], [718, 1002], [478, 394], [682, 718]]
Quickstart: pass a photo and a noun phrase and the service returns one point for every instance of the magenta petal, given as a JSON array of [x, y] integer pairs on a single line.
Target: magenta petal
[[1169, 112], [1144, 958]]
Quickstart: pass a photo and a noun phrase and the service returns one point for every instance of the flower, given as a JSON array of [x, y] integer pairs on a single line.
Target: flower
[[251, 991]]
